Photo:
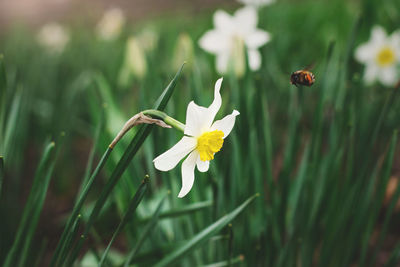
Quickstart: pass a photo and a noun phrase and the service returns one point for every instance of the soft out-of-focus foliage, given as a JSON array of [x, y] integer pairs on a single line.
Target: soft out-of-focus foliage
[[320, 157]]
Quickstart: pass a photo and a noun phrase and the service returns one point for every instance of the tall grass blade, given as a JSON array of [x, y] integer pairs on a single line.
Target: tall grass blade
[[129, 153], [134, 203], [203, 235], [30, 216], [3, 96], [182, 211], [146, 232]]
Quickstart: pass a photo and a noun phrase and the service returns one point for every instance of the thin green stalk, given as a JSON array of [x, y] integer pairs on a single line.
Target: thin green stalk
[[230, 244], [32, 210], [3, 96], [182, 211], [127, 157], [167, 119], [133, 204], [76, 210], [146, 232], [204, 235], [1, 172], [70, 238], [234, 260]]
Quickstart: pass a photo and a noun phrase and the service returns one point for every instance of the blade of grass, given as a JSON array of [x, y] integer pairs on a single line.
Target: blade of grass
[[204, 235], [70, 238], [1, 172], [145, 234], [76, 209], [3, 95], [32, 209], [12, 121], [129, 153], [134, 203], [182, 211], [237, 259]]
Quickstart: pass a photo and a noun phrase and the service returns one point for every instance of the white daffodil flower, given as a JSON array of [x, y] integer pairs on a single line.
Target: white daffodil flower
[[257, 3], [111, 24], [231, 32], [203, 138], [53, 36], [381, 55]]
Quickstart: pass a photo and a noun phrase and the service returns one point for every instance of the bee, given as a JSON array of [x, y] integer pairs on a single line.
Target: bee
[[302, 77]]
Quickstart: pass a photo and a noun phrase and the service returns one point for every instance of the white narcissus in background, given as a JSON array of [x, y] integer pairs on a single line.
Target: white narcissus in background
[[231, 34], [53, 36], [381, 57], [203, 138], [111, 24]]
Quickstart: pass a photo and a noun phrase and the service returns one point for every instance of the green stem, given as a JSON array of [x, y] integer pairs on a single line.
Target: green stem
[[167, 119]]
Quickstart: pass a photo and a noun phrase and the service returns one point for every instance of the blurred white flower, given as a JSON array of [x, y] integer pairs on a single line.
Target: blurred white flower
[[184, 51], [381, 55], [203, 138], [230, 34], [257, 3], [110, 25], [53, 36], [135, 63], [148, 39]]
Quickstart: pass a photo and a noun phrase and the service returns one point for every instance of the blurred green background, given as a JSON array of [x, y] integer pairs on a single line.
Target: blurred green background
[[323, 159]]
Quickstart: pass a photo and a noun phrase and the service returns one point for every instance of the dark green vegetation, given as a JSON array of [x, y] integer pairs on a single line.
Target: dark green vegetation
[[320, 158]]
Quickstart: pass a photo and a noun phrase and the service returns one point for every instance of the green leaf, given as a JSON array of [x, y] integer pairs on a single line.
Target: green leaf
[[3, 96], [1, 172], [122, 165], [34, 204], [204, 235], [182, 211], [145, 234], [133, 204]]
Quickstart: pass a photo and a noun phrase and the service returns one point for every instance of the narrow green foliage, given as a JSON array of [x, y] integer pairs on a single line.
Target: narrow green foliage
[[133, 204], [234, 260], [19, 251], [182, 211], [204, 235], [66, 235], [129, 153], [70, 238], [145, 233], [1, 172], [3, 96]]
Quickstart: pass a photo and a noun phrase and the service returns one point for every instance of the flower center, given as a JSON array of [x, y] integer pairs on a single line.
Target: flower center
[[209, 143], [385, 56]]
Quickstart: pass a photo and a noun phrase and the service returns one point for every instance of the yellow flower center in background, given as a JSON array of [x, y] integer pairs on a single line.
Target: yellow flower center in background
[[386, 57], [209, 143]]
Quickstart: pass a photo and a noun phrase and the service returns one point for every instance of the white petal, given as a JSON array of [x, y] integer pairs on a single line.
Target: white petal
[[378, 34], [246, 19], [256, 39], [254, 59], [223, 21], [364, 53], [188, 173], [214, 42], [169, 159], [222, 62], [196, 119], [216, 104], [388, 76], [395, 43], [202, 166], [226, 124], [371, 73]]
